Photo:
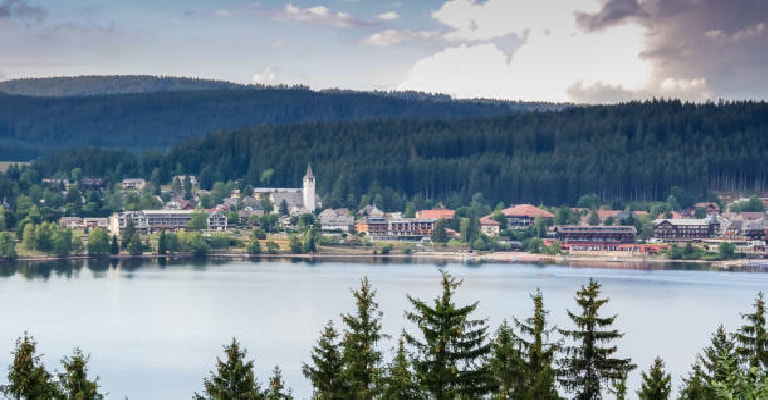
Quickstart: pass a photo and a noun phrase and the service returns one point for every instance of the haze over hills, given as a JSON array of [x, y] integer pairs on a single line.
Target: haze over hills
[[157, 113]]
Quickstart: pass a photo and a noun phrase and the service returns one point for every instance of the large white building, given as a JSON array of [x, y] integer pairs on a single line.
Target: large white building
[[148, 221], [299, 200]]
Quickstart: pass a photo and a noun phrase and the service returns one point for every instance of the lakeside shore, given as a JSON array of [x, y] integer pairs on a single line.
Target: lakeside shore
[[613, 261]]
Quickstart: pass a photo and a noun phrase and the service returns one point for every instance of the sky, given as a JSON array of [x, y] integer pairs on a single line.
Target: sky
[[592, 51]]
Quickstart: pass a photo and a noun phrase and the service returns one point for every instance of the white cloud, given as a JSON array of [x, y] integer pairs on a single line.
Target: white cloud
[[391, 37], [389, 15], [222, 13], [319, 15], [265, 77], [747, 33], [279, 44]]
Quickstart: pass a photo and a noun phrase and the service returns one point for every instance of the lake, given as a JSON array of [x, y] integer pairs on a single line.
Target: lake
[[153, 329]]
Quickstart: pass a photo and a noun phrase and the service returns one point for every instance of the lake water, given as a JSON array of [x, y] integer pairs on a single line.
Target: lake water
[[153, 329]]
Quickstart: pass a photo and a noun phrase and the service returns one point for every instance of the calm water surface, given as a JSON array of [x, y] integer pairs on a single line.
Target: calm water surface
[[153, 330]]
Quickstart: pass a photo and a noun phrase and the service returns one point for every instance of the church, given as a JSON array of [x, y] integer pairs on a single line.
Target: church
[[299, 200]]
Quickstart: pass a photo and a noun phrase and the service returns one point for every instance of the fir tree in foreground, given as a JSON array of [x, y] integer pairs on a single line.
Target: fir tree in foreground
[[450, 359], [590, 362], [751, 339], [538, 354], [74, 383], [361, 336], [233, 379], [27, 376], [325, 372], [657, 385], [506, 363], [399, 382]]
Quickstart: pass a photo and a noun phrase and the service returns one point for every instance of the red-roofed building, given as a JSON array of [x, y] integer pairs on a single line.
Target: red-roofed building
[[440, 213], [522, 215], [489, 226]]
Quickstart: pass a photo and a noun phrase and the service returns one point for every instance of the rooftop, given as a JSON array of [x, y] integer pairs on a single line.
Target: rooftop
[[527, 210]]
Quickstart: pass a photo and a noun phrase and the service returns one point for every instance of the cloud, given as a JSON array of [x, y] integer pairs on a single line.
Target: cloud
[[265, 77], [222, 13], [22, 10], [279, 44], [613, 12], [55, 31], [318, 15], [690, 89], [391, 37], [389, 15]]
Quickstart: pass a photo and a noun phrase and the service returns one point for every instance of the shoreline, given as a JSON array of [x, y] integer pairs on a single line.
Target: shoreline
[[580, 260]]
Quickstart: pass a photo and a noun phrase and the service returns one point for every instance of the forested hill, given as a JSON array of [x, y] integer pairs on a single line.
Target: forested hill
[[30, 126], [634, 151], [112, 84]]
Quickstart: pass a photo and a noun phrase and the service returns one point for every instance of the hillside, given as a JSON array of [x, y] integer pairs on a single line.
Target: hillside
[[114, 84], [31, 126], [634, 151]]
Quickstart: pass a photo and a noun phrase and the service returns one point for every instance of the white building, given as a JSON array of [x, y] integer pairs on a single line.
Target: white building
[[299, 200], [336, 220], [148, 221], [309, 190], [134, 184]]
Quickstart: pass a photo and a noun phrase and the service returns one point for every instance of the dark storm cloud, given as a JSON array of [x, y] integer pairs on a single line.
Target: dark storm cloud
[[612, 13], [725, 42], [22, 10]]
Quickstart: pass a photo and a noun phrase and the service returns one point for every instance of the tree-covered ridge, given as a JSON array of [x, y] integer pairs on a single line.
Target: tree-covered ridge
[[31, 126], [635, 151], [89, 85]]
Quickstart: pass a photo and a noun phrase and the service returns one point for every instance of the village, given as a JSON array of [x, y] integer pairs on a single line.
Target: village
[[292, 220]]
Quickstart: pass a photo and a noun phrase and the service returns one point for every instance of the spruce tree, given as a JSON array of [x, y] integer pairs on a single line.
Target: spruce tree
[[27, 376], [325, 373], [162, 243], [115, 249], [657, 385], [719, 360], [451, 355], [590, 361], [128, 232], [620, 386], [276, 389], [233, 379], [751, 339], [538, 353], [74, 383], [399, 382], [361, 336], [695, 386], [506, 364], [134, 245]]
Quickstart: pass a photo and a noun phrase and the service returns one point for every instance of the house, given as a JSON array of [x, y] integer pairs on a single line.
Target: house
[[381, 228], [92, 183], [709, 207], [83, 223], [149, 221], [489, 226], [246, 213], [753, 229], [184, 180], [373, 226], [336, 220], [617, 215], [594, 238], [136, 184], [522, 215], [371, 211], [58, 182], [439, 213], [689, 228]]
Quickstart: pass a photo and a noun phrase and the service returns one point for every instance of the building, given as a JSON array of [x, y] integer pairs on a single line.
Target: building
[[689, 228], [594, 238], [184, 180], [709, 207], [83, 223], [439, 213], [489, 226], [370, 211], [308, 191], [261, 193], [149, 221], [381, 228], [522, 215], [92, 183], [336, 220], [136, 184]]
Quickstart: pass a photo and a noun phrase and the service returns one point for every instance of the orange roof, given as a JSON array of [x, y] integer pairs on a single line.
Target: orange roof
[[527, 210], [487, 220], [440, 213]]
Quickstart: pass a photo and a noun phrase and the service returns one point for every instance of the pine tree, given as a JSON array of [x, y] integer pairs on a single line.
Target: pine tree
[[719, 360], [620, 386], [538, 353], [134, 245], [657, 385], [399, 383], [309, 241], [74, 383], [276, 389], [325, 373], [115, 249], [233, 379], [361, 336], [450, 359], [162, 243], [27, 376], [590, 361], [128, 232], [751, 339], [506, 364], [695, 386], [594, 219]]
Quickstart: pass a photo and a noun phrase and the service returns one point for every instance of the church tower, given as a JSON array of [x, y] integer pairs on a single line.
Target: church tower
[[309, 190]]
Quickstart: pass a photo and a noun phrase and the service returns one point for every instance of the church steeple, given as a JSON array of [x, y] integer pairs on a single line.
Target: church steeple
[[308, 191], [309, 171]]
